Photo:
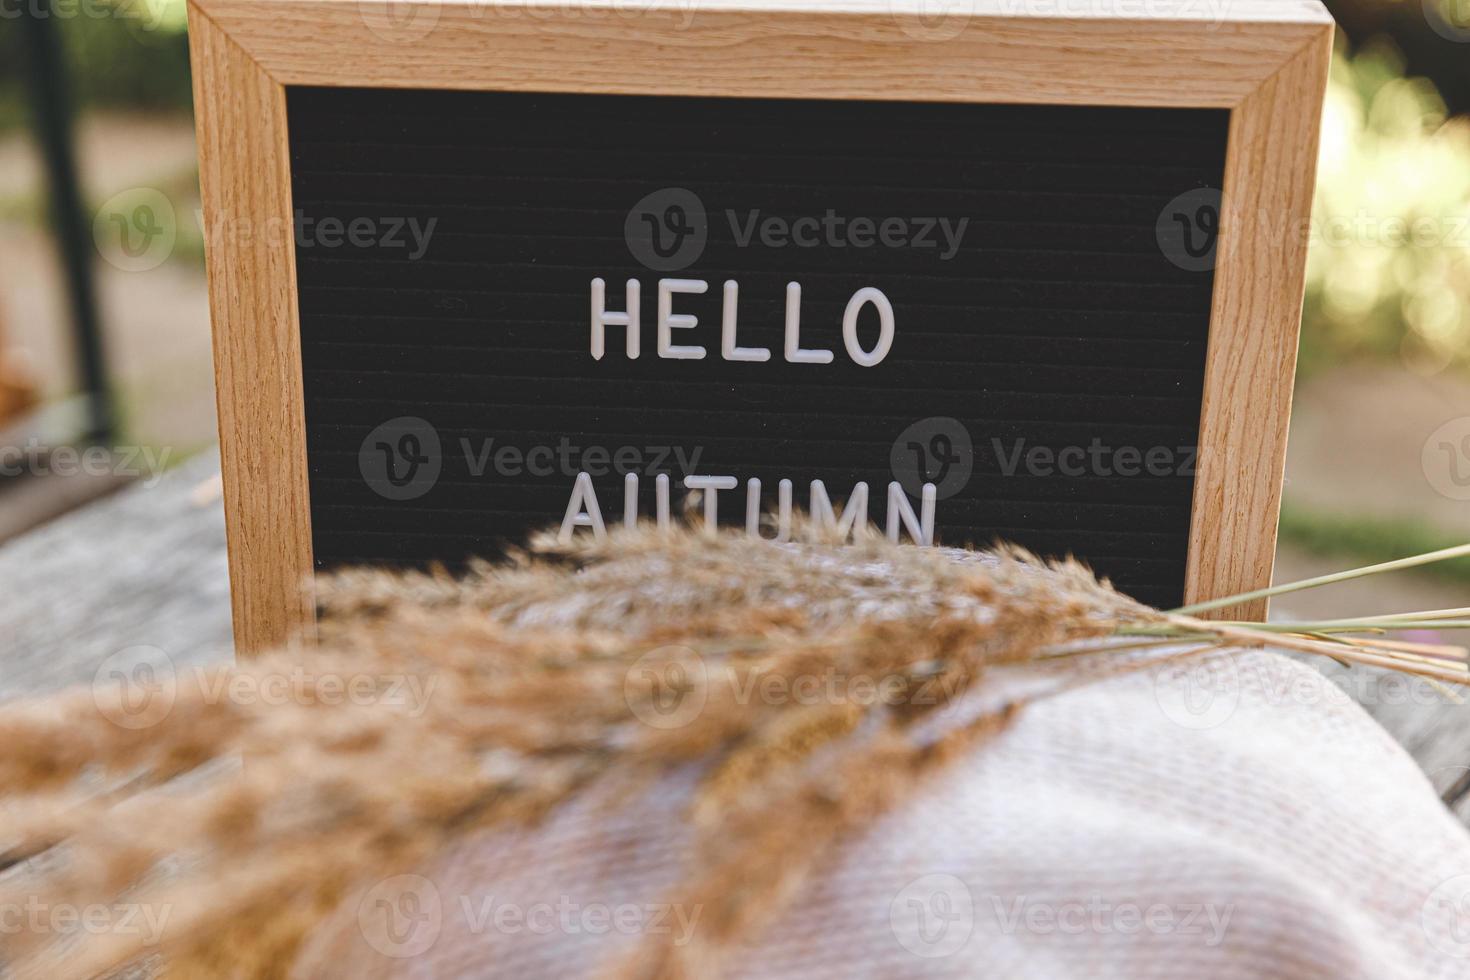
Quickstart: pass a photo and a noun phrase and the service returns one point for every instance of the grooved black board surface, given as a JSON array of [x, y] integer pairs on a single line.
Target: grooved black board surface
[[1059, 320]]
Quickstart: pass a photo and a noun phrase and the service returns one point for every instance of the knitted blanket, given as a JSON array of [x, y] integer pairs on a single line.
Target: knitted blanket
[[1238, 818]]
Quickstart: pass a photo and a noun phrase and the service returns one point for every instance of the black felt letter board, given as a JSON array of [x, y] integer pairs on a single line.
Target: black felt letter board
[[1047, 357]]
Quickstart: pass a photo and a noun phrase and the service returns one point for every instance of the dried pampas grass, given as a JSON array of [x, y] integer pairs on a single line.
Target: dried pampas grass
[[433, 708]]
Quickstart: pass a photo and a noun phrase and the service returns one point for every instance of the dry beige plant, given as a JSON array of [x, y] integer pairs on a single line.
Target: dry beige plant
[[432, 708]]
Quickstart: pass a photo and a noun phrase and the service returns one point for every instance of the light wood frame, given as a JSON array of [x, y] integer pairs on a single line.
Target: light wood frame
[[1264, 60]]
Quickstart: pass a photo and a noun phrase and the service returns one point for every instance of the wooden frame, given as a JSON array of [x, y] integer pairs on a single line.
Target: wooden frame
[[1264, 60]]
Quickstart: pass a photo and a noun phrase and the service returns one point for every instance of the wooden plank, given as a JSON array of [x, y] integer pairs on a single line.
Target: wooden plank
[[245, 180], [145, 567], [1254, 326], [1177, 53], [29, 501]]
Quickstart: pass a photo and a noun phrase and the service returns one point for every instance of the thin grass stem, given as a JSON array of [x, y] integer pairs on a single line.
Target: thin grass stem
[[1413, 561]]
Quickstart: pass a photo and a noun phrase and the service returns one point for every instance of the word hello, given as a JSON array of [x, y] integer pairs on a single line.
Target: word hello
[[668, 321], [584, 509]]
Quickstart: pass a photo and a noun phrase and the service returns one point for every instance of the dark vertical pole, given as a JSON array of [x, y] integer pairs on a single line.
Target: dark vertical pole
[[52, 110]]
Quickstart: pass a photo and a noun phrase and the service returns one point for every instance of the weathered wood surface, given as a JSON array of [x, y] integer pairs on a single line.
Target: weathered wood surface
[[148, 567], [144, 567]]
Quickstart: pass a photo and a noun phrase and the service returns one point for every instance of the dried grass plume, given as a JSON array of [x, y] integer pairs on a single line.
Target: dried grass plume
[[435, 707]]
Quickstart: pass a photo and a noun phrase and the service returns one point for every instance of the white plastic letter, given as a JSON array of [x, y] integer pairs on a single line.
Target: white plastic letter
[[582, 511], [783, 510], [728, 350], [794, 353], [854, 515], [863, 296], [752, 500], [630, 500], [661, 500], [711, 485], [602, 318], [669, 321], [921, 529]]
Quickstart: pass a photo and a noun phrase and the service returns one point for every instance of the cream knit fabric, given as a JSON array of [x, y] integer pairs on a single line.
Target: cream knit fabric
[[1238, 819]]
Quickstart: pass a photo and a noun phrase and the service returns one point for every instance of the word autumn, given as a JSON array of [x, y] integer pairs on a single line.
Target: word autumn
[[585, 510], [667, 321]]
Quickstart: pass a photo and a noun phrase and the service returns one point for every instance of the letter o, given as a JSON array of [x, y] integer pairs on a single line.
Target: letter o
[[868, 294]]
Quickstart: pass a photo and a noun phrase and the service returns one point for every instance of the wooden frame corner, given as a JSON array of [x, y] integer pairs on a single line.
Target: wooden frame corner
[[245, 183]]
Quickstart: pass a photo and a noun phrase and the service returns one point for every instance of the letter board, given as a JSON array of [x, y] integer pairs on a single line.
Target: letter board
[[1041, 272], [1047, 272]]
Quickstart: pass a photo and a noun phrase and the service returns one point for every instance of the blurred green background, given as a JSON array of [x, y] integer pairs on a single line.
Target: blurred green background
[[137, 59], [1385, 365]]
